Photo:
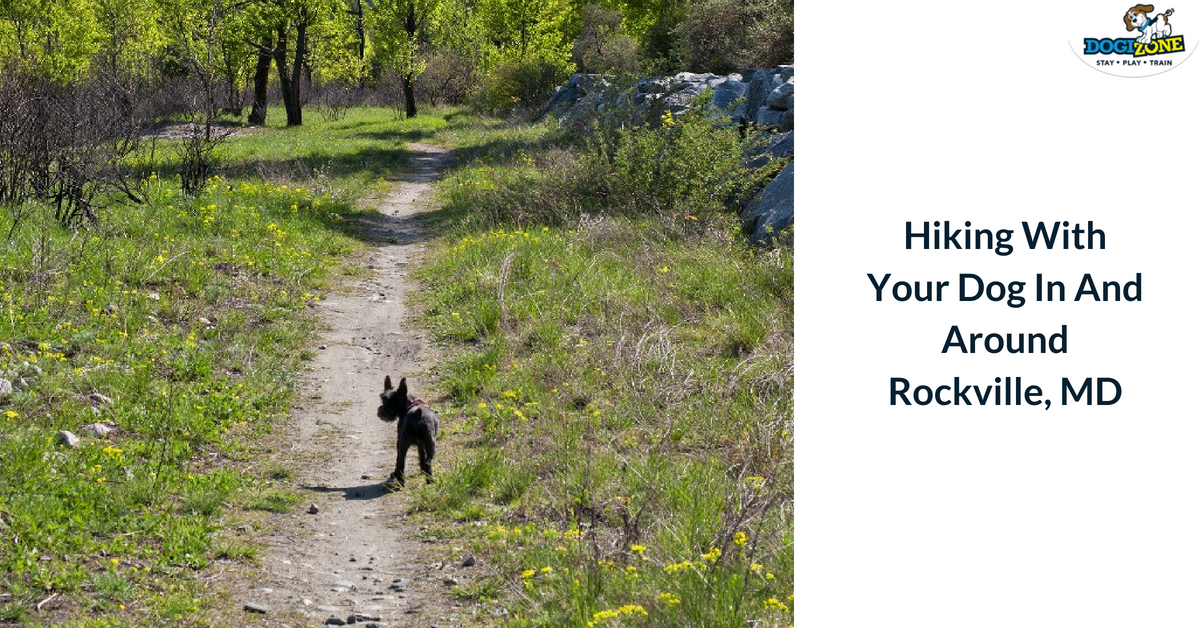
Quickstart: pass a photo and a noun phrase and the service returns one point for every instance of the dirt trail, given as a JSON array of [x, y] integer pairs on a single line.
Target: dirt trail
[[357, 554]]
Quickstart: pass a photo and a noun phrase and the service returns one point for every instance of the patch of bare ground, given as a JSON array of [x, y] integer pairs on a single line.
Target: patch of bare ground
[[348, 549]]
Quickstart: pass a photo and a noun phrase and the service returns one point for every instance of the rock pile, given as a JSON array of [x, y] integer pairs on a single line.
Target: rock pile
[[762, 97]]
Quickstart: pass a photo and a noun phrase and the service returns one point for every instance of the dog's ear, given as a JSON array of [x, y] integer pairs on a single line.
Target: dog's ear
[[403, 390], [1128, 24], [387, 383]]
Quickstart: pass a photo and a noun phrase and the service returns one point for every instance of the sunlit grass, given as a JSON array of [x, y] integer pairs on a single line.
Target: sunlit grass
[[181, 322], [622, 389]]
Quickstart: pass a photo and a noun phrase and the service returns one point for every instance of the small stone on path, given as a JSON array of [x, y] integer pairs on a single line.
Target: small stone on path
[[312, 509], [251, 607]]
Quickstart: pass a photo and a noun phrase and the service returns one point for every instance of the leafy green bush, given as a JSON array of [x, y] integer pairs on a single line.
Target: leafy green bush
[[681, 169], [603, 47], [723, 36], [522, 84]]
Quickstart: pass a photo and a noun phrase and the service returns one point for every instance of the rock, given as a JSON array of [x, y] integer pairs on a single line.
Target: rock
[[67, 439], [727, 92], [398, 585], [352, 619], [762, 83], [469, 561], [778, 145], [6, 388], [344, 584], [312, 509], [778, 99], [335, 621], [450, 582], [98, 430], [768, 117], [772, 211], [251, 607]]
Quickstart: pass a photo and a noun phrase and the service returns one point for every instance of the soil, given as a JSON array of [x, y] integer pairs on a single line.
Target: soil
[[358, 554]]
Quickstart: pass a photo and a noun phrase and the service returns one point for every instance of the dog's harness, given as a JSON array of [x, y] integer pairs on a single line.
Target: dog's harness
[[417, 402]]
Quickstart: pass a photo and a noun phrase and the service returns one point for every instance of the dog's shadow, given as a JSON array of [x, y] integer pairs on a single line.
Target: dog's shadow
[[354, 493]]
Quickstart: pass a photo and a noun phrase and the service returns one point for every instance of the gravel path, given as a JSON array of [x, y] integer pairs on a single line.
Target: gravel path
[[347, 550]]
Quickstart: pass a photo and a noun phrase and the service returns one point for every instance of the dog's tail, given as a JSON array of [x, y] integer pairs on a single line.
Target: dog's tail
[[1168, 13]]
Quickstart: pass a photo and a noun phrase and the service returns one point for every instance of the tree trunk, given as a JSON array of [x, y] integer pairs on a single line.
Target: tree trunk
[[262, 75], [410, 99], [289, 87], [298, 67]]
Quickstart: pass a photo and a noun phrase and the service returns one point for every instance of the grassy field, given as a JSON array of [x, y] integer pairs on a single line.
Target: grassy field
[[182, 323], [617, 367], [625, 384]]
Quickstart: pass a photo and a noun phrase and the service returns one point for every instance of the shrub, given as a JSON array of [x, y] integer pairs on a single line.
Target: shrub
[[447, 78], [603, 47], [522, 85], [63, 144], [685, 168], [723, 36]]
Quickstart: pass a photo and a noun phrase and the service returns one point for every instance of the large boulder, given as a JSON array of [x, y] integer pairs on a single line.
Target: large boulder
[[772, 211]]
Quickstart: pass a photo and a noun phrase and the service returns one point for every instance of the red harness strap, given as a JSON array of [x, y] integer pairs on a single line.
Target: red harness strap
[[417, 402]]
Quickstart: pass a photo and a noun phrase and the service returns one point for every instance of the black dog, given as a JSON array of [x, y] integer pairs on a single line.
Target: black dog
[[418, 426]]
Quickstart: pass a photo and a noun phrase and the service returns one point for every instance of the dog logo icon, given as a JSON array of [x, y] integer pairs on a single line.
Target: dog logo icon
[[1153, 44], [1137, 17]]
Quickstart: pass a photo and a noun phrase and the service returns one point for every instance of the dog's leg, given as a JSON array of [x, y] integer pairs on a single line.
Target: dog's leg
[[402, 445], [426, 451]]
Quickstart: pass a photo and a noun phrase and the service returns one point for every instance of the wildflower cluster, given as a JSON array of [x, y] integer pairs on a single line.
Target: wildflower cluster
[[628, 610]]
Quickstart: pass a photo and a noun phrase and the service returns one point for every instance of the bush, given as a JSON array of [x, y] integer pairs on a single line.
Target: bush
[[522, 85], [334, 99], [63, 144], [447, 78], [682, 169], [690, 165], [723, 36], [602, 46]]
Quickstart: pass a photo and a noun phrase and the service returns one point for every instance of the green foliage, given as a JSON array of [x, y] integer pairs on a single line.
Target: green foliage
[[56, 39], [723, 36], [624, 388], [684, 169], [602, 46], [188, 315], [522, 83], [529, 55]]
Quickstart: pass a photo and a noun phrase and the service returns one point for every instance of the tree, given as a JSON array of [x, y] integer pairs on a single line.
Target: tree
[[53, 39], [398, 26], [529, 52], [602, 45]]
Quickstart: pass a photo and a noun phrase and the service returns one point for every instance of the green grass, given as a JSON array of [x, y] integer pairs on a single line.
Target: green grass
[[622, 383], [190, 315]]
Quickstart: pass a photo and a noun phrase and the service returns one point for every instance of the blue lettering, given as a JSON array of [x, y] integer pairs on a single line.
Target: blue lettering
[[1108, 46]]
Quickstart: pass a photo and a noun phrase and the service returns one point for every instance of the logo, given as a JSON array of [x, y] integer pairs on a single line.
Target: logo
[[1153, 45]]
